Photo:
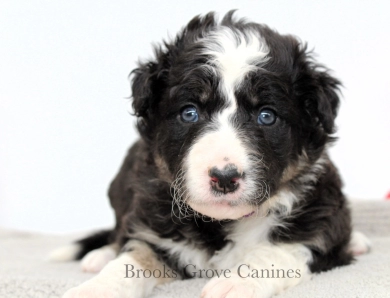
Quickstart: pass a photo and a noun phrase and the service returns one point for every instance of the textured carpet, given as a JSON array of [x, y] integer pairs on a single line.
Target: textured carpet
[[25, 273]]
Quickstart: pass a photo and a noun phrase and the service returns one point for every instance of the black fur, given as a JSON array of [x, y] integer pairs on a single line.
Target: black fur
[[305, 96], [94, 241]]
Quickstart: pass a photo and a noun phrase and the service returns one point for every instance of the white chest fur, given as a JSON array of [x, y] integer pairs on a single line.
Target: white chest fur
[[245, 235]]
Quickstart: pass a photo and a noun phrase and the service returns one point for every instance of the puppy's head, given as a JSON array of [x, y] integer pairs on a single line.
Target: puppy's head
[[231, 110]]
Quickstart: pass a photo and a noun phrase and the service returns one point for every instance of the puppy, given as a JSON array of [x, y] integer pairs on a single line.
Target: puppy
[[230, 179]]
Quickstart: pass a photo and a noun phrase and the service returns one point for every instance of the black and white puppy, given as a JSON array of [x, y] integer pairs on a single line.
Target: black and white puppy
[[231, 176]]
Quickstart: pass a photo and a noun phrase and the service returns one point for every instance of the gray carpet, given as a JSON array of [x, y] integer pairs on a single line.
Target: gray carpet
[[25, 273]]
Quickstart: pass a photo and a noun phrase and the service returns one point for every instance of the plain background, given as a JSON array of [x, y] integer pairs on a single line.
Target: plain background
[[65, 120]]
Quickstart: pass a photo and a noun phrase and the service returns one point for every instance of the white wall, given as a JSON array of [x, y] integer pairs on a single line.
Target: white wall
[[64, 121]]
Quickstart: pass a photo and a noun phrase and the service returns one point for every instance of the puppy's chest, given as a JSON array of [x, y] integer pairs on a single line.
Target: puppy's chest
[[243, 237]]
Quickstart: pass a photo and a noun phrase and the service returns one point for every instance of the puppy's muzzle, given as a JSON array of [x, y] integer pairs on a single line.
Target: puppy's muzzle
[[226, 180]]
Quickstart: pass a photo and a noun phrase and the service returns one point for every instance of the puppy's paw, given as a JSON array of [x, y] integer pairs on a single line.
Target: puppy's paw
[[95, 260], [359, 244], [91, 290], [65, 253], [234, 287]]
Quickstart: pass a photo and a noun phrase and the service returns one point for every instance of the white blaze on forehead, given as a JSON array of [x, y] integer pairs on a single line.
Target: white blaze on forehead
[[234, 54]]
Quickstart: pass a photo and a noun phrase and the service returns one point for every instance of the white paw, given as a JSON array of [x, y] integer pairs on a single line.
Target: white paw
[[91, 290], [65, 253], [359, 244], [234, 287], [95, 260]]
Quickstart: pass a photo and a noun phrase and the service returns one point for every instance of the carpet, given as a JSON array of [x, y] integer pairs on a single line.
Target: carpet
[[24, 272]]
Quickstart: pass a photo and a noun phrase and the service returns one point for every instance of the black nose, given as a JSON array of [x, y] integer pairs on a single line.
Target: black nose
[[225, 180]]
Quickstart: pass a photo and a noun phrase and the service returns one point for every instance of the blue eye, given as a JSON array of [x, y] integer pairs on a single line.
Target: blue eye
[[266, 117], [189, 114]]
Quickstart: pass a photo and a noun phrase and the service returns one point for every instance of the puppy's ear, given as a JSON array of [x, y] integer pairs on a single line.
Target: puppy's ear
[[143, 85], [317, 92], [324, 106], [148, 83]]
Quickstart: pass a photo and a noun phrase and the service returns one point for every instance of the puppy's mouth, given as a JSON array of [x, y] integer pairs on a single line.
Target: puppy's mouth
[[221, 209], [249, 214]]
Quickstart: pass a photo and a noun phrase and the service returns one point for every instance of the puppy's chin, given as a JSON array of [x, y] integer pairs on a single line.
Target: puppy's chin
[[221, 210]]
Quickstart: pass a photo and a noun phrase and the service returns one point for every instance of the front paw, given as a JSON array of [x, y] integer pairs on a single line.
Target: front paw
[[91, 290], [234, 287], [95, 260], [359, 244]]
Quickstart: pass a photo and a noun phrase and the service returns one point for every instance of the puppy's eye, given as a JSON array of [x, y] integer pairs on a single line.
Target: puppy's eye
[[266, 117], [189, 114]]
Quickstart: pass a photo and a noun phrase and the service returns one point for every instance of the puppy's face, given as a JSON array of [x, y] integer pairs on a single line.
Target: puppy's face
[[230, 114]]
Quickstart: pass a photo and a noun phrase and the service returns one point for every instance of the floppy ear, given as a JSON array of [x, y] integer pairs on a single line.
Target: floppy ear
[[147, 85], [325, 102], [317, 93], [142, 86]]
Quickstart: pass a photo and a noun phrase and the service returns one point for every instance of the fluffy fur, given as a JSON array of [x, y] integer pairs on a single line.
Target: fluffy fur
[[280, 205]]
